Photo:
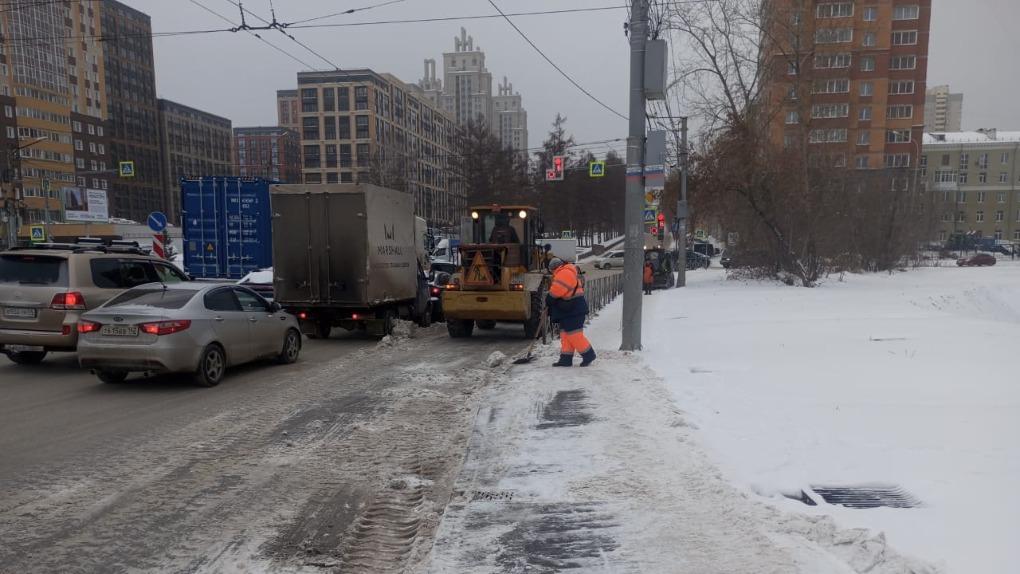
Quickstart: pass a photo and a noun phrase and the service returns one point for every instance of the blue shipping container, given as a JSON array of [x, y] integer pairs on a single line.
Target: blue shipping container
[[227, 226]]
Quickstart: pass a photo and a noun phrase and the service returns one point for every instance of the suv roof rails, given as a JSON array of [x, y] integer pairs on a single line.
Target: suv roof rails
[[89, 241], [46, 246]]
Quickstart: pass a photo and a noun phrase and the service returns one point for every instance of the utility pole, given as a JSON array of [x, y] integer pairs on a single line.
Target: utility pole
[[681, 206], [635, 195]]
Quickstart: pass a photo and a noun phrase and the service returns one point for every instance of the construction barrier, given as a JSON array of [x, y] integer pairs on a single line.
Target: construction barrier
[[601, 291]]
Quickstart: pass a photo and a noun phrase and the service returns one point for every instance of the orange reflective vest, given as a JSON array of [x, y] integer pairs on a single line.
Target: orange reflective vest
[[566, 283]]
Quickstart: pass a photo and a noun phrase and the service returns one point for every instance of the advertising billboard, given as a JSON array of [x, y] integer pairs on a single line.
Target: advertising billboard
[[82, 204]]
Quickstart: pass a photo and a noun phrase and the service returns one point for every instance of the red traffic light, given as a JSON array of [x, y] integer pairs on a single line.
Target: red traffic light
[[661, 218], [653, 230]]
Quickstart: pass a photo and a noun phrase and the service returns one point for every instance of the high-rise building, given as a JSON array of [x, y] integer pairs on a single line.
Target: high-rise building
[[359, 126], [193, 143], [288, 109], [510, 119], [465, 93], [943, 110], [133, 113], [975, 179], [850, 79], [268, 152], [46, 86]]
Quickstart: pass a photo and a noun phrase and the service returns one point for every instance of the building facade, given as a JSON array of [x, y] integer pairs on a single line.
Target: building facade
[[943, 110], [288, 109], [42, 85], [193, 143], [974, 179], [849, 79], [268, 152], [465, 93], [93, 167], [132, 110], [359, 126]]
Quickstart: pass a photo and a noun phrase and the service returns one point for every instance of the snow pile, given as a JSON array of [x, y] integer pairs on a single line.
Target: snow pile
[[907, 379], [402, 330], [496, 359], [260, 277]]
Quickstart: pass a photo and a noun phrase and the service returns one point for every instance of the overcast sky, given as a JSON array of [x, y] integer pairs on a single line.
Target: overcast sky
[[236, 75]]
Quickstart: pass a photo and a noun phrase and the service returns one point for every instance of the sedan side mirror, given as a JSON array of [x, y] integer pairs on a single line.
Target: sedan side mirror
[[275, 307]]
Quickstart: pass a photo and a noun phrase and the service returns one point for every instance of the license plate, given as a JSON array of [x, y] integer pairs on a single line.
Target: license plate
[[19, 312], [22, 348], [119, 330]]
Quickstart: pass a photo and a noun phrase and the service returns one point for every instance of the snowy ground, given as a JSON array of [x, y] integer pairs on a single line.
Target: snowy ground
[[909, 380]]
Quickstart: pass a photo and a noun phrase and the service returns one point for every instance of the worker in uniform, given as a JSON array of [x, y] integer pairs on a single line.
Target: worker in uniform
[[649, 277], [547, 255], [568, 307]]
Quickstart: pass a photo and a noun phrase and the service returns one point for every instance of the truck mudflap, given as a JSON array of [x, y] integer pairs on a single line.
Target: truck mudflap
[[512, 306]]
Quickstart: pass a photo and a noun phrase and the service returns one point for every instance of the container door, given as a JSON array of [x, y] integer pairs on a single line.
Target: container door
[[202, 214], [345, 270], [247, 211], [296, 261]]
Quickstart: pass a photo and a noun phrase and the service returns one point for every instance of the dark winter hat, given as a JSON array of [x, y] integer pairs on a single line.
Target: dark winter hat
[[555, 263]]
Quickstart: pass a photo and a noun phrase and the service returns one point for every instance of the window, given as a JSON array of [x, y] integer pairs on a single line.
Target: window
[[870, 40], [250, 302], [983, 161], [835, 10], [864, 114], [836, 135], [361, 123], [899, 112], [346, 177], [870, 14], [942, 234], [904, 37], [1003, 177], [830, 110], [313, 178], [981, 196], [309, 100], [868, 64], [168, 274], [864, 137], [835, 86], [222, 300], [332, 177], [92, 147], [328, 99], [79, 145], [792, 117], [122, 273], [93, 165], [362, 150], [901, 87], [964, 160], [983, 177], [867, 89], [979, 215], [903, 62], [1000, 197], [862, 162], [1016, 234], [311, 153], [79, 162], [897, 160], [11, 134], [906, 12], [345, 128], [1004, 158], [361, 98], [331, 155], [826, 61], [961, 217], [102, 149], [1000, 216], [345, 155], [91, 129], [945, 176], [99, 131], [834, 35], [792, 93], [897, 136], [964, 177], [345, 99], [791, 68], [76, 126], [310, 128], [330, 131]]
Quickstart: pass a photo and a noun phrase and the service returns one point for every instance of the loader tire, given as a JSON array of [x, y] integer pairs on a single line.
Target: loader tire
[[486, 325], [460, 328], [533, 326]]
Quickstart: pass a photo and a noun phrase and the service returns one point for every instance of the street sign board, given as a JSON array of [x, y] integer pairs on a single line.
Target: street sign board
[[700, 233], [127, 169], [653, 195], [650, 215], [38, 233], [82, 204], [157, 221], [597, 169]]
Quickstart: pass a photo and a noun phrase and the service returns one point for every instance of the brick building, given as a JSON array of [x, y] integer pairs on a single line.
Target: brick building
[[193, 143], [268, 152]]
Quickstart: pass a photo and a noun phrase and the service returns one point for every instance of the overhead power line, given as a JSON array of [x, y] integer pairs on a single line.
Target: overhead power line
[[275, 25], [263, 40], [345, 12], [553, 64]]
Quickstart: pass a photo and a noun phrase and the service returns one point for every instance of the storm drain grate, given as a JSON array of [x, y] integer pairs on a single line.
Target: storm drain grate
[[566, 409], [494, 495], [868, 496]]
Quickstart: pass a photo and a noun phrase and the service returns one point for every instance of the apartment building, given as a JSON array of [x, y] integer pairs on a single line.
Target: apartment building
[[848, 79], [974, 178], [45, 86], [268, 152], [288, 109], [133, 113], [193, 143], [943, 110], [510, 119], [363, 126]]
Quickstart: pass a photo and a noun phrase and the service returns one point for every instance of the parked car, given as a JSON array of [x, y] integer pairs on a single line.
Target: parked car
[[698, 260], [726, 260], [610, 260], [438, 280], [45, 289], [979, 260], [198, 328], [260, 281], [662, 268]]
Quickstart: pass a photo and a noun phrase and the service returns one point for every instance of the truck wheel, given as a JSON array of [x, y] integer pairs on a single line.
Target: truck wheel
[[26, 357], [459, 328], [533, 326], [425, 320], [486, 325], [322, 329]]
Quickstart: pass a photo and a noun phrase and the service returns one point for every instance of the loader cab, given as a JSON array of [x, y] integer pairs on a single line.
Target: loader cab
[[514, 229]]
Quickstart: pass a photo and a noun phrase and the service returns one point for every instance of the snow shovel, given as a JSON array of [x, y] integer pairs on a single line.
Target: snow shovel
[[542, 332]]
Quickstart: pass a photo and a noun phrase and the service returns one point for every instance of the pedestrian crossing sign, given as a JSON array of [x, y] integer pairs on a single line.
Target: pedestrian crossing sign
[[37, 233], [597, 169], [127, 169]]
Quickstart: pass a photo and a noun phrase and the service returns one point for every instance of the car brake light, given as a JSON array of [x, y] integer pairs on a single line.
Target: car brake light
[[355, 316], [435, 291], [517, 286], [71, 301], [88, 326], [164, 327], [302, 315]]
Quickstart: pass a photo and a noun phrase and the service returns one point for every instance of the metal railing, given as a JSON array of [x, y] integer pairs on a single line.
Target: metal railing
[[601, 291]]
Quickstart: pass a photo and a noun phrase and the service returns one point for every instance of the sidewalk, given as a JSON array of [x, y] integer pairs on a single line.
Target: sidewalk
[[596, 470]]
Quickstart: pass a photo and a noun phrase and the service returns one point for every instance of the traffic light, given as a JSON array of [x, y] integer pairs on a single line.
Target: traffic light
[[558, 169]]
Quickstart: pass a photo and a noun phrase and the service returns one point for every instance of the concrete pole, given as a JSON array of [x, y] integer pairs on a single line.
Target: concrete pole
[[633, 262], [681, 207]]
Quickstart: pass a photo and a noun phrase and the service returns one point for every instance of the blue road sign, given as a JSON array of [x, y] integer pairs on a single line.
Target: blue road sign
[[38, 233], [650, 215], [157, 221], [597, 169]]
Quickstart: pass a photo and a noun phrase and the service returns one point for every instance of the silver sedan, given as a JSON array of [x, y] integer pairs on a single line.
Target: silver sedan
[[192, 327]]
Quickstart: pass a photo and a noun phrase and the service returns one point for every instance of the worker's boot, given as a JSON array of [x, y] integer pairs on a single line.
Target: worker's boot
[[565, 360], [587, 357]]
